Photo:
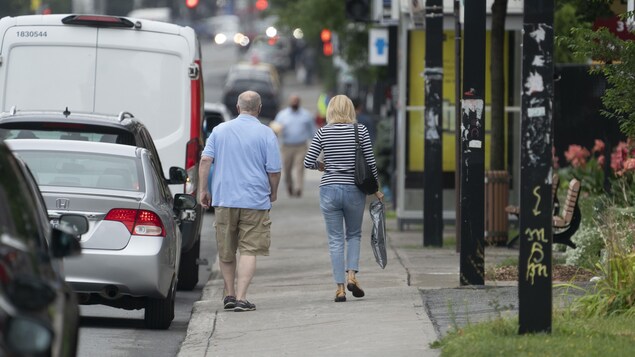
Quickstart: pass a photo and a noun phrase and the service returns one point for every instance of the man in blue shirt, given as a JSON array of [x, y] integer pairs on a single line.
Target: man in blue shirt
[[297, 128], [246, 162]]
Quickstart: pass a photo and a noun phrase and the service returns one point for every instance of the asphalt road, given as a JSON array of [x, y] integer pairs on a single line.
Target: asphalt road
[[107, 331]]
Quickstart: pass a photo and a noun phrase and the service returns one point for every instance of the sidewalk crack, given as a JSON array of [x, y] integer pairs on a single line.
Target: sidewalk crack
[[209, 339]]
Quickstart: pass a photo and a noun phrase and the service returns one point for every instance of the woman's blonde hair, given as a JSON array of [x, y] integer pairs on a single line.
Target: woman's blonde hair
[[340, 110]]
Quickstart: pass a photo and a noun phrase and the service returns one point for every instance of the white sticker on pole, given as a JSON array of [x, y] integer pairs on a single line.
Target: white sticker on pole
[[378, 47]]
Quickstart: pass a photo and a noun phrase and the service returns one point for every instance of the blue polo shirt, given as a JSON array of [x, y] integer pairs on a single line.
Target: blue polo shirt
[[298, 126], [244, 151]]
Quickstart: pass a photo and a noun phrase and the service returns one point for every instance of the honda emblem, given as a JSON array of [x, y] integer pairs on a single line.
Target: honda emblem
[[62, 203]]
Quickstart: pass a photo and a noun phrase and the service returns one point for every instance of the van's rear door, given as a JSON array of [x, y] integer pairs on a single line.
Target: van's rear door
[[47, 65], [146, 73]]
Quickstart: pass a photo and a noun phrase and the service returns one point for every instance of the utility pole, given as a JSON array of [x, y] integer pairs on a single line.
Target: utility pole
[[457, 122], [536, 169], [472, 269], [433, 150]]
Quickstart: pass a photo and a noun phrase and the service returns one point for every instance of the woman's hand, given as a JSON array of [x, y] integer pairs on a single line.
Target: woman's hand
[[379, 195], [320, 166]]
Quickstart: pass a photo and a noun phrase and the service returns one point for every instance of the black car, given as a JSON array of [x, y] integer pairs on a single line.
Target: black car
[[121, 129], [262, 78], [39, 315]]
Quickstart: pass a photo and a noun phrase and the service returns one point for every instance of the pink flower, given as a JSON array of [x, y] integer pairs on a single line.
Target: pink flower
[[618, 156], [601, 160], [629, 164], [577, 155], [598, 147]]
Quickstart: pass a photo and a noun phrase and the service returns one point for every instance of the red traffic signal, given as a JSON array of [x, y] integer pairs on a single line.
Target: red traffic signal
[[191, 3], [325, 35], [327, 49], [262, 4]]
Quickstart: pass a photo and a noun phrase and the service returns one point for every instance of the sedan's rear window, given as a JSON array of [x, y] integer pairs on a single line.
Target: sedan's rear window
[[57, 131], [88, 170]]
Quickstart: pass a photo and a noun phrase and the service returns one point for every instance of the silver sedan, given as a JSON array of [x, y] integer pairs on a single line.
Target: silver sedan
[[131, 252]]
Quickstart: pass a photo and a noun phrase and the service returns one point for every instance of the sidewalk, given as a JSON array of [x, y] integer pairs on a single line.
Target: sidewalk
[[408, 305]]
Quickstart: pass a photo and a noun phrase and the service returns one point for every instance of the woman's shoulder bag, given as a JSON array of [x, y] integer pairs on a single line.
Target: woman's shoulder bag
[[364, 178]]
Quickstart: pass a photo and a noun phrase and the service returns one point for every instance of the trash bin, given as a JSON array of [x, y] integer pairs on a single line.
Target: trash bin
[[496, 199]]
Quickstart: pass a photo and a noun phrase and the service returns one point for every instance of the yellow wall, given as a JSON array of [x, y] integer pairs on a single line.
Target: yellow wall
[[416, 97]]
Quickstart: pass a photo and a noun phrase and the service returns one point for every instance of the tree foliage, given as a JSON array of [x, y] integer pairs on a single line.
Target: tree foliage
[[313, 16], [579, 14], [616, 60]]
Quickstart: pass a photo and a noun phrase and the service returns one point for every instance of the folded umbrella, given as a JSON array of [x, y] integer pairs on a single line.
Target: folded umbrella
[[378, 234]]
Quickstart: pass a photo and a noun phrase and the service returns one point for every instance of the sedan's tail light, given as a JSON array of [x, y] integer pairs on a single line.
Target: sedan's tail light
[[139, 222]]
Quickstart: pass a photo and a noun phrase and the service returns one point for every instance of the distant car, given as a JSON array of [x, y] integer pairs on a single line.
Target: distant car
[[262, 78], [132, 249], [121, 129], [39, 315], [225, 30], [276, 51]]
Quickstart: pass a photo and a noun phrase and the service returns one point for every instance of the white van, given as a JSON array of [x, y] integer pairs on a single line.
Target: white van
[[109, 64]]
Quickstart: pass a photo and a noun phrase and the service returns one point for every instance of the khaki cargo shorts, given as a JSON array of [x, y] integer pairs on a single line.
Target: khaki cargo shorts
[[245, 230]]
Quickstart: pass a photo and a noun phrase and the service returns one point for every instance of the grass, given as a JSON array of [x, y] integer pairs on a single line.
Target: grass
[[570, 336]]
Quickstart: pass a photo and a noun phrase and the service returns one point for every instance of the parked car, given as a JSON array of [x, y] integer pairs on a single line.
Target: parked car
[[121, 129], [132, 249], [39, 315], [106, 64], [262, 78], [215, 113]]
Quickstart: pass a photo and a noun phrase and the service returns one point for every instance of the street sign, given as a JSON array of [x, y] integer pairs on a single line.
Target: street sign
[[378, 47]]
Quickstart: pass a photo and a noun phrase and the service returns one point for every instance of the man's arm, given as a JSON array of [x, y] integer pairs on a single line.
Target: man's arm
[[274, 180], [203, 176]]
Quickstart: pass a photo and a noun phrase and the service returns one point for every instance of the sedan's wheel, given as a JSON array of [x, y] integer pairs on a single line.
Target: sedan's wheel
[[188, 269], [159, 313]]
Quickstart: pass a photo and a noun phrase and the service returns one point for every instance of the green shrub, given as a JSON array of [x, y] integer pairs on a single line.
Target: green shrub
[[614, 292], [589, 242]]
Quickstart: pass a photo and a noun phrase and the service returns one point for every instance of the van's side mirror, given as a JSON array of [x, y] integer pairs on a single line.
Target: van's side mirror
[[183, 201], [177, 176], [65, 236]]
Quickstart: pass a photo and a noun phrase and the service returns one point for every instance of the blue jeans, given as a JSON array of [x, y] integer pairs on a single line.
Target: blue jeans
[[343, 206]]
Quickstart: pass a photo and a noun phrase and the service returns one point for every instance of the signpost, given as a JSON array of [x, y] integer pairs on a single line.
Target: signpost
[[534, 266], [472, 189], [433, 150], [378, 47]]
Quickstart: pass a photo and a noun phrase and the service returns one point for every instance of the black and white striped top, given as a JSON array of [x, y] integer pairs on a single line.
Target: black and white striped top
[[337, 141]]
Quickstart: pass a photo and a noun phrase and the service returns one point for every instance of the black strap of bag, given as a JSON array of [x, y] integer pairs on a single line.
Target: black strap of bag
[[364, 178]]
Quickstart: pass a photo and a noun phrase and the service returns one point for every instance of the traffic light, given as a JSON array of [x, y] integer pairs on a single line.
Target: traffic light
[[358, 10], [327, 49], [327, 45], [262, 5], [191, 3], [325, 35]]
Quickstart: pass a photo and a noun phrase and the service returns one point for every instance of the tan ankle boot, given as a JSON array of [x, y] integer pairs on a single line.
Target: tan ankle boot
[[340, 294], [353, 285]]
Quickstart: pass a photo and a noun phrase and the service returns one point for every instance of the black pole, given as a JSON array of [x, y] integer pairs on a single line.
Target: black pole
[[433, 150], [457, 123], [473, 147], [536, 169]]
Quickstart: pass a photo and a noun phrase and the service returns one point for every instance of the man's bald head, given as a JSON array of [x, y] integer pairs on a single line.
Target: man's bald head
[[249, 102], [294, 101]]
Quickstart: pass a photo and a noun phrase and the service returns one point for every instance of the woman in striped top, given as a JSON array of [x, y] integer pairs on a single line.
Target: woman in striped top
[[341, 202]]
